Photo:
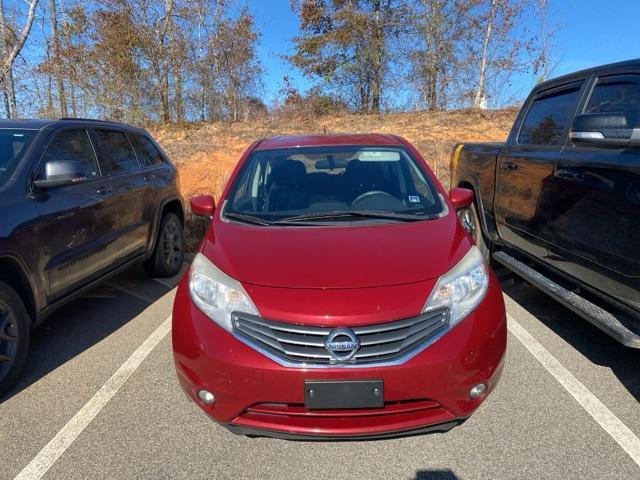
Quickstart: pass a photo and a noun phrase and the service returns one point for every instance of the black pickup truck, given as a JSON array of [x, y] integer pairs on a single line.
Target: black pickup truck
[[559, 202]]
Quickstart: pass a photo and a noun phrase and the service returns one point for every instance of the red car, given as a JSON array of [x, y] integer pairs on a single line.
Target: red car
[[337, 295]]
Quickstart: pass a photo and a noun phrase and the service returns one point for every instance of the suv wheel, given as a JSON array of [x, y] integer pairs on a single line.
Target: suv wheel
[[168, 255], [14, 336], [471, 223]]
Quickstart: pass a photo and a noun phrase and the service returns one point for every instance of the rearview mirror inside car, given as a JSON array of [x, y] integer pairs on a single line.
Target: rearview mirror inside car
[[60, 172], [461, 198], [203, 205]]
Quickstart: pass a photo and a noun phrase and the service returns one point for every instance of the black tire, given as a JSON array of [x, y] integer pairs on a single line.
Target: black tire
[[168, 254], [14, 336], [471, 223]]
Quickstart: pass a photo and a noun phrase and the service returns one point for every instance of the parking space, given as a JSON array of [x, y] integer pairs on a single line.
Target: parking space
[[533, 425]]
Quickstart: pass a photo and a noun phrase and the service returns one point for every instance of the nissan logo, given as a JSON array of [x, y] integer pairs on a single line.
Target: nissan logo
[[342, 344]]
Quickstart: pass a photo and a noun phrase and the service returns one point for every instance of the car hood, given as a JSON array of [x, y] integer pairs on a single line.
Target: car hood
[[370, 255]]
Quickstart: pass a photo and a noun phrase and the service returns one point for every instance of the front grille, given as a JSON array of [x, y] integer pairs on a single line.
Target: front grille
[[304, 344]]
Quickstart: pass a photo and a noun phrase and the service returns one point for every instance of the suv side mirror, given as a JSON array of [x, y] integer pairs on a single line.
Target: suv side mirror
[[60, 172], [203, 205], [603, 130], [461, 198]]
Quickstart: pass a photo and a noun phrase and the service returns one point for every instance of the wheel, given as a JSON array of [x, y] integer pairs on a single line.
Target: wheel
[[168, 254], [14, 336], [471, 223]]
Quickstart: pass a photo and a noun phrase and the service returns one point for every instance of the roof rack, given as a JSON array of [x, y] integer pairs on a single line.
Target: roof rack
[[82, 119]]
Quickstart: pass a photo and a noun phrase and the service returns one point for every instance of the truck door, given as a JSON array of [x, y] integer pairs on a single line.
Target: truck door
[[525, 168], [595, 232]]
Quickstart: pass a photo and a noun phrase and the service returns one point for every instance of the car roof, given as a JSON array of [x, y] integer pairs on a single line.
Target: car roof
[[40, 123], [627, 64], [326, 140]]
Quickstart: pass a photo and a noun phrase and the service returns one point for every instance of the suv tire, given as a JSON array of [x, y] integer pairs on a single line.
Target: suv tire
[[168, 254], [14, 336]]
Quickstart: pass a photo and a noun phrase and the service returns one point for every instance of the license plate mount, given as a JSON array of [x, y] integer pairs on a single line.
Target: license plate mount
[[343, 394]]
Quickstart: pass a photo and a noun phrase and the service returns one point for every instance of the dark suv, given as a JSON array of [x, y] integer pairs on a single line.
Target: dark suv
[[80, 200]]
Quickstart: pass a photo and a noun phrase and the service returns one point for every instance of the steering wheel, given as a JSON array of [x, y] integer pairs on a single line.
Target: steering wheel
[[371, 194]]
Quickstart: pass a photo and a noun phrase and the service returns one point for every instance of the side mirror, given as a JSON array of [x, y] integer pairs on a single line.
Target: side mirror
[[60, 172], [603, 130], [203, 205], [461, 198]]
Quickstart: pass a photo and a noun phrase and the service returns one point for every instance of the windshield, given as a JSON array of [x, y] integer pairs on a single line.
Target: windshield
[[345, 183], [13, 144]]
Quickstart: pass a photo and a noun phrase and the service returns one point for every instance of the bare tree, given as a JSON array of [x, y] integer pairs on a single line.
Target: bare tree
[[10, 56], [480, 100], [10, 52], [57, 60]]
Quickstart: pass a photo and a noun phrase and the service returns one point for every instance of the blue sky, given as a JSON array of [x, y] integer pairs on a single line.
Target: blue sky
[[592, 32]]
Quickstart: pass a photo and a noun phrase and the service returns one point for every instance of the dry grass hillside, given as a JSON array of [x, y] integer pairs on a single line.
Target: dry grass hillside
[[205, 154]]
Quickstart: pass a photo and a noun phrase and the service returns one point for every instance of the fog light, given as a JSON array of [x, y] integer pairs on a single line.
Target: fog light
[[477, 391], [206, 397]]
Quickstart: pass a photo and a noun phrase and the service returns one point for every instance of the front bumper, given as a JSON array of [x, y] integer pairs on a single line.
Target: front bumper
[[255, 395]]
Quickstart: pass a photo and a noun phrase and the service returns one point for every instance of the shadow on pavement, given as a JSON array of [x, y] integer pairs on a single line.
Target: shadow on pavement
[[591, 342], [435, 475], [87, 320]]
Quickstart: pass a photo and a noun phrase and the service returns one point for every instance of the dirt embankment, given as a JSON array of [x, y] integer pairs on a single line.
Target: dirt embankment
[[206, 153]]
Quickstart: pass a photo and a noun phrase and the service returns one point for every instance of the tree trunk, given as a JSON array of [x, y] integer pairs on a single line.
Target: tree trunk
[[3, 50], [480, 99], [57, 61], [166, 61], [433, 48], [12, 94], [378, 45], [9, 57], [178, 93]]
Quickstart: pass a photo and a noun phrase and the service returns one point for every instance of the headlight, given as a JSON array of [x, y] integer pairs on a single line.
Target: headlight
[[216, 293], [462, 288]]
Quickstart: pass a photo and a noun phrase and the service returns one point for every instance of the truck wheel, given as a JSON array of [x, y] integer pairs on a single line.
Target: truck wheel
[[471, 223], [168, 254], [14, 336]]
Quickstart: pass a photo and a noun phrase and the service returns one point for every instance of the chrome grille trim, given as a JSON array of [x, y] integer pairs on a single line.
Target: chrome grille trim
[[292, 345]]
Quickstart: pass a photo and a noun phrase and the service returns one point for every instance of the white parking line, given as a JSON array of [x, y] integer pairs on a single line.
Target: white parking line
[[144, 298], [65, 437], [629, 442]]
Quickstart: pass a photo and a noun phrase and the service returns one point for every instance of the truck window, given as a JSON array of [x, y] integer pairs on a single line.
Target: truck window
[[619, 94], [548, 117]]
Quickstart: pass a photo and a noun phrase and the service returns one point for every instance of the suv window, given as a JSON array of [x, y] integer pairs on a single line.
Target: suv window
[[13, 145], [116, 151], [145, 149], [548, 117], [74, 146], [619, 94]]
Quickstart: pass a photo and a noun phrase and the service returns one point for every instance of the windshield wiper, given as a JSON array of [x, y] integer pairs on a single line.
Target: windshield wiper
[[351, 213], [250, 219]]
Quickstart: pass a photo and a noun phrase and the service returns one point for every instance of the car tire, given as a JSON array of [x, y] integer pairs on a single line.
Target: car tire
[[14, 336], [168, 254], [471, 223]]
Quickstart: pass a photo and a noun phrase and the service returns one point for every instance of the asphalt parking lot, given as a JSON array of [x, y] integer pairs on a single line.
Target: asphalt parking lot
[[99, 399]]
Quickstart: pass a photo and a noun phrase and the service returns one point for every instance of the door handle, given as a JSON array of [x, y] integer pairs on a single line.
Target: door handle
[[568, 174], [104, 190], [510, 166]]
